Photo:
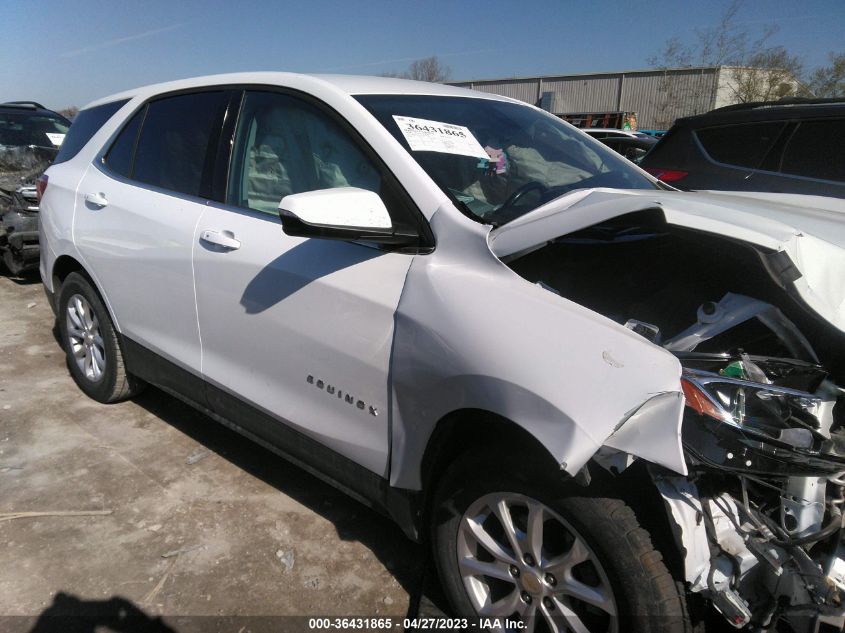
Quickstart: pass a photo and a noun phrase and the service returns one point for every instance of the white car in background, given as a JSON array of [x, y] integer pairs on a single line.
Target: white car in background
[[606, 403]]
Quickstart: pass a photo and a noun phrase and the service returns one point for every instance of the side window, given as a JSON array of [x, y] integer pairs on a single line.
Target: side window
[[175, 140], [119, 158], [743, 145], [815, 150], [85, 125], [284, 145]]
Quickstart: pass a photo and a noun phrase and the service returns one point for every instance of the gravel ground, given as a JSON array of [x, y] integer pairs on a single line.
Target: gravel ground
[[176, 516]]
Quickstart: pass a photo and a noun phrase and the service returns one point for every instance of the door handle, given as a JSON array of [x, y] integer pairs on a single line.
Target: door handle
[[226, 239], [96, 199]]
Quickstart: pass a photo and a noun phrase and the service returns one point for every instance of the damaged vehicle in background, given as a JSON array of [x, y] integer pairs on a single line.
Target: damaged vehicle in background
[[30, 136], [609, 405]]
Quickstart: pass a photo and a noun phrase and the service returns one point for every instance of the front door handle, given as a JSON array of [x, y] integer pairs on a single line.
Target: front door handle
[[96, 199], [226, 239]]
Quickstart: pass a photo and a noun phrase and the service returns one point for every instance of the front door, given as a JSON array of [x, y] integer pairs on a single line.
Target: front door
[[300, 329]]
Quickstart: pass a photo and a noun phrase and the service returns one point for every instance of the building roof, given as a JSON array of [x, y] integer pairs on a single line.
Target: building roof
[[641, 71]]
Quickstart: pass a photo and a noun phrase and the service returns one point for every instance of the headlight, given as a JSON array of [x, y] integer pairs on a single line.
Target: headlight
[[761, 409], [739, 424]]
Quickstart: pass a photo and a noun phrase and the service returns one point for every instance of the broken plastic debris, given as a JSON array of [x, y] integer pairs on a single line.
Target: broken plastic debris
[[197, 455], [286, 558]]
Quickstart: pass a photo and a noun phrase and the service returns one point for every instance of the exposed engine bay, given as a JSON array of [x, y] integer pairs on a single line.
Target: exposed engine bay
[[759, 518]]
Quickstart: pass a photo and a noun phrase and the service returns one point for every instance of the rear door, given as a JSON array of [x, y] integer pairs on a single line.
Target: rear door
[[137, 216], [298, 329]]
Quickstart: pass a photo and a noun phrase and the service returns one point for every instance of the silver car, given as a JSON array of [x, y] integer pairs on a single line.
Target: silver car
[[608, 405]]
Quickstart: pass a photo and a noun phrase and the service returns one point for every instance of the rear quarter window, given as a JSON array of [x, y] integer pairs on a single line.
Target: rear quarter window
[[742, 145], [815, 150], [85, 125]]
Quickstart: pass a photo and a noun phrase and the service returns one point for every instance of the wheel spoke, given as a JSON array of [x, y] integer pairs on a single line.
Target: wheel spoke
[[73, 314], [73, 330], [486, 540], [473, 567], [96, 363], [534, 534], [89, 364], [596, 596], [503, 514], [553, 620], [563, 564], [78, 350], [529, 616], [570, 619], [502, 607]]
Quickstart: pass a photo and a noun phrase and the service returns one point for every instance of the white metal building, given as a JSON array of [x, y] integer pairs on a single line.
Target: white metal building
[[658, 97]]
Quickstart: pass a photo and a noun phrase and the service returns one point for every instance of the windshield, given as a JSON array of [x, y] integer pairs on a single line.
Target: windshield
[[25, 128], [499, 160]]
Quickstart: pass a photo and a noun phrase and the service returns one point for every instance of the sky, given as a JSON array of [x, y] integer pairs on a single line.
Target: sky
[[63, 54]]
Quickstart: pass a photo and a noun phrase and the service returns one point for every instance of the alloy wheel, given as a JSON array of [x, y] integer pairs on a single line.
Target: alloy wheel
[[85, 339], [519, 559]]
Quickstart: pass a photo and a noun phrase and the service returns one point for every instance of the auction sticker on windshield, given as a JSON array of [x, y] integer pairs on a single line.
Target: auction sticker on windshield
[[434, 136]]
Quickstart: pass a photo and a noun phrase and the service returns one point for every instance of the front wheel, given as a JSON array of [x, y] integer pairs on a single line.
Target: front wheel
[[513, 548]]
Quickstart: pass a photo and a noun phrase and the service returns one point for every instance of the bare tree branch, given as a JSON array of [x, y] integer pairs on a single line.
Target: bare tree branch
[[428, 69]]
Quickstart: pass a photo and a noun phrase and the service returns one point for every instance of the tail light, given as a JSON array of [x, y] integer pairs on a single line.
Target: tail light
[[41, 186], [667, 175]]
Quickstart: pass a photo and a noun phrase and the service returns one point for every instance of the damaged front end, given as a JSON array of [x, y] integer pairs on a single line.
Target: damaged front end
[[759, 517], [757, 511], [19, 169]]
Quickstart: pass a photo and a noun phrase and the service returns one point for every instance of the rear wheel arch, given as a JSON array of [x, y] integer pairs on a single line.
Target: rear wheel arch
[[64, 266]]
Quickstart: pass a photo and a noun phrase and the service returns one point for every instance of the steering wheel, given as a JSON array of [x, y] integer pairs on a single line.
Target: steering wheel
[[533, 185]]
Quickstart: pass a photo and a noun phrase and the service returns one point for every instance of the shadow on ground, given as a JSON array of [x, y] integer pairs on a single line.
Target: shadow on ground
[[409, 562]]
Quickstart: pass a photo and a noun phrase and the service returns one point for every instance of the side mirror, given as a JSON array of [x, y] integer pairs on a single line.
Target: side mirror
[[342, 213]]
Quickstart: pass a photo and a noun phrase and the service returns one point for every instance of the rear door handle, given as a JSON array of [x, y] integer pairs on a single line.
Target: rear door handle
[[96, 199], [226, 239]]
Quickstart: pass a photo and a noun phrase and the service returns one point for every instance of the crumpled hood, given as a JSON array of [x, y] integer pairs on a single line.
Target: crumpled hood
[[809, 229], [22, 165]]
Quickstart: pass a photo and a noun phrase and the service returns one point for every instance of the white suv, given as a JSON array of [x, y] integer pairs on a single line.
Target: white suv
[[604, 401]]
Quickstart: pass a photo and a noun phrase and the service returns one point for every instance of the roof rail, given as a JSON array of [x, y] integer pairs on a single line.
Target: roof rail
[[786, 101], [24, 104]]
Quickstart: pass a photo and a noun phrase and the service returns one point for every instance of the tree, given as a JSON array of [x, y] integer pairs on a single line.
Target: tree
[[70, 112], [829, 81], [428, 69], [767, 75], [755, 70]]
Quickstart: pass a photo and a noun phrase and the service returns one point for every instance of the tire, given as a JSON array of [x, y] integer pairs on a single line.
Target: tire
[[93, 348], [591, 546]]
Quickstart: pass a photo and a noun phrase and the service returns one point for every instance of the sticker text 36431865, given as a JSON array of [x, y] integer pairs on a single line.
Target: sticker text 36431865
[[435, 136]]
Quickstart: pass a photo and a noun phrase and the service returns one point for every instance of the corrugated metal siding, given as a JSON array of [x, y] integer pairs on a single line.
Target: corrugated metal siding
[[657, 97], [583, 94], [660, 98], [522, 89]]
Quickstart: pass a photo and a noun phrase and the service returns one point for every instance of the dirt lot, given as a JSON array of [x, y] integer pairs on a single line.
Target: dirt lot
[[185, 518]]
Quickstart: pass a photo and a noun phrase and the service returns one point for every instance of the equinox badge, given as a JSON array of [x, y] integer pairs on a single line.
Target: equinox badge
[[346, 397]]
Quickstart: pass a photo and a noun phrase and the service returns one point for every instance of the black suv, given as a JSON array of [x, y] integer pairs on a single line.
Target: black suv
[[30, 136], [788, 146]]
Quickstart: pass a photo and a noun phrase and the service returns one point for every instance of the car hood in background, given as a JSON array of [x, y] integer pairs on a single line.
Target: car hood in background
[[809, 229], [23, 164]]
